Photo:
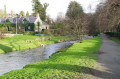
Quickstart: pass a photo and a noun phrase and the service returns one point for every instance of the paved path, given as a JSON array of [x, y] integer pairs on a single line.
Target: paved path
[[108, 64]]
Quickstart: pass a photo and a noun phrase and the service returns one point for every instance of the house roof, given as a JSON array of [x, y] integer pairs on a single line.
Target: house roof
[[11, 20], [30, 19], [19, 20], [44, 23], [2, 20]]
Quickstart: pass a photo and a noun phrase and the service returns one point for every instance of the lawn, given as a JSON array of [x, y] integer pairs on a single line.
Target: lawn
[[67, 63], [115, 39], [22, 42]]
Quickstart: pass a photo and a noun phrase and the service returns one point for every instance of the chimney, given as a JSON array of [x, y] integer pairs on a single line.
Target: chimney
[[20, 16], [6, 16], [37, 15]]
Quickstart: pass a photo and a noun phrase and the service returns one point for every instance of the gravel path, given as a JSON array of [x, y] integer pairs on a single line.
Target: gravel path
[[108, 64]]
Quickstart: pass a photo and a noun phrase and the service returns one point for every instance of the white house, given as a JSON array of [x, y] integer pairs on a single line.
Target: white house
[[43, 25]]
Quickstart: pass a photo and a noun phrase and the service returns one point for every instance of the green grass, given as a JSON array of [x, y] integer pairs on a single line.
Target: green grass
[[115, 39], [17, 43], [67, 63]]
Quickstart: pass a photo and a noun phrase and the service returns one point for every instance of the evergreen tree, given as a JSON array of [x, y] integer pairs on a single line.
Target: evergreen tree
[[74, 10], [43, 13], [39, 8], [27, 14], [77, 20], [5, 11]]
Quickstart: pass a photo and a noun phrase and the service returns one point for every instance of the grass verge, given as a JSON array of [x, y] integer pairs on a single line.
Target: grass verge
[[65, 64], [22, 42], [115, 39]]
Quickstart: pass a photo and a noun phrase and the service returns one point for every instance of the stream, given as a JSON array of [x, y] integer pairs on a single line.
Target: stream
[[17, 60]]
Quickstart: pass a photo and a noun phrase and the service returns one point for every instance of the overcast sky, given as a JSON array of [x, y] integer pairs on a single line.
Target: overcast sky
[[55, 6]]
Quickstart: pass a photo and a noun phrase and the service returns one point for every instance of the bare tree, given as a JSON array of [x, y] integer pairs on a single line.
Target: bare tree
[[108, 15], [76, 22]]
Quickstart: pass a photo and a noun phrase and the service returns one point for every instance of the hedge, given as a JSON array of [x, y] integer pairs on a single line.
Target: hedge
[[115, 34], [11, 27]]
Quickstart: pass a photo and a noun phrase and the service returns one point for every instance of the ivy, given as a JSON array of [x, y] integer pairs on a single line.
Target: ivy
[[11, 27]]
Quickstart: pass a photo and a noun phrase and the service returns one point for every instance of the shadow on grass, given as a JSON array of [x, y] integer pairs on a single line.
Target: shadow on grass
[[86, 51], [5, 48], [72, 68], [16, 47]]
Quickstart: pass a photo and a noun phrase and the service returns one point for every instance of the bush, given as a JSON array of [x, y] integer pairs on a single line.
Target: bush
[[21, 32], [29, 33], [93, 33], [113, 34], [37, 32], [45, 31], [58, 25]]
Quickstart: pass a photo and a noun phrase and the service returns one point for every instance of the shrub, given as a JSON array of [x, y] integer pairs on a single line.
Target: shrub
[[29, 33], [45, 31], [115, 34]]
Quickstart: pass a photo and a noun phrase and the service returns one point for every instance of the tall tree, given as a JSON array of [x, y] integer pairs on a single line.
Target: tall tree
[[27, 14], [77, 20], [5, 11], [92, 26], [74, 10], [43, 13], [39, 8], [107, 15]]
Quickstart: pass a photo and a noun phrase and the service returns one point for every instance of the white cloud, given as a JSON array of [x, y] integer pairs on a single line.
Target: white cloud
[[55, 6]]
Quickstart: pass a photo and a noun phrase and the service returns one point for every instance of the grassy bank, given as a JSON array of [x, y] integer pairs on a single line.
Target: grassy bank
[[115, 39], [65, 64], [22, 42]]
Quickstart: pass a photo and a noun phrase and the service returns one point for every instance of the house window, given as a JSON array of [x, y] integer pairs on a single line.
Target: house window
[[19, 27], [29, 27]]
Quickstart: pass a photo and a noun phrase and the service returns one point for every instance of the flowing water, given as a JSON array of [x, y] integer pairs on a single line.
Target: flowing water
[[17, 60]]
